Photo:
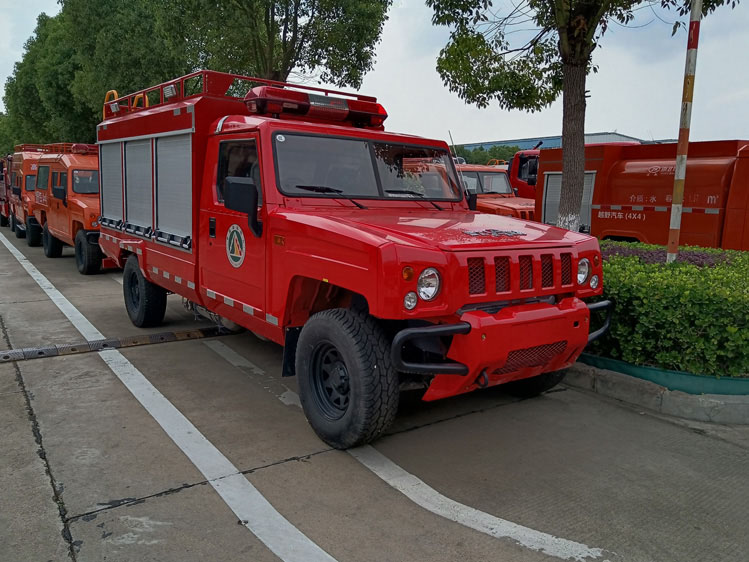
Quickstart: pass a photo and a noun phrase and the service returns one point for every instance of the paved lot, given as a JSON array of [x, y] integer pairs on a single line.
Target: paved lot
[[197, 450]]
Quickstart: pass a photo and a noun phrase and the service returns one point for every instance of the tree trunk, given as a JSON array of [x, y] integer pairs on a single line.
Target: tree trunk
[[573, 145]]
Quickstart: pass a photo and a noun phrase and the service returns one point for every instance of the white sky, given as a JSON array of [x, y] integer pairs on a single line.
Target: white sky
[[637, 90]]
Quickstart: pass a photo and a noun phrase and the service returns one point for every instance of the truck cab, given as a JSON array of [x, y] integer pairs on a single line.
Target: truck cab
[[22, 200], [4, 192], [67, 203], [494, 195], [290, 211], [523, 170]]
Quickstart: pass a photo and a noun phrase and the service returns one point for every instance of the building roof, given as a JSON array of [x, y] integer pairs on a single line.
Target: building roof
[[556, 141]]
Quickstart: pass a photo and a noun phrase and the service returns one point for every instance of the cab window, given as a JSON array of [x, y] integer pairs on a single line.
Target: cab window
[[30, 183], [238, 159], [63, 180], [84, 181], [471, 181], [55, 179], [42, 179]]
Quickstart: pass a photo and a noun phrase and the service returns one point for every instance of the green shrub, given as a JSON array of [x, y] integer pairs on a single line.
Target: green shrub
[[692, 315]]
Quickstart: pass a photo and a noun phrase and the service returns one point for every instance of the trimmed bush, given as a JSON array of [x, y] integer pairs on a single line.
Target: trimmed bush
[[692, 315]]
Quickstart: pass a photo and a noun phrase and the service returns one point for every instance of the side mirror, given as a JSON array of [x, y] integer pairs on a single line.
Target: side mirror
[[58, 192], [240, 194], [472, 199], [515, 190]]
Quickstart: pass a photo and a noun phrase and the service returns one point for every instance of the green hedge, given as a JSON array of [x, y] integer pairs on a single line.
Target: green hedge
[[692, 315]]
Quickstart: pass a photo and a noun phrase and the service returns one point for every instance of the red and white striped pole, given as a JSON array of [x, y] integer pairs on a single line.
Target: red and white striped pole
[[683, 145]]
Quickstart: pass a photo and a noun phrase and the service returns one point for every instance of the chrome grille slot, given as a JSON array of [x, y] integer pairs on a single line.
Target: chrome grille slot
[[476, 276]]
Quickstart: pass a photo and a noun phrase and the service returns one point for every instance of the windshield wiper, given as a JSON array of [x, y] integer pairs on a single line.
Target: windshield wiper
[[326, 189], [417, 194]]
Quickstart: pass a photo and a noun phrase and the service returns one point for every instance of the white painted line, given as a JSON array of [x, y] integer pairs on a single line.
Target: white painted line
[[116, 277], [431, 500], [248, 504]]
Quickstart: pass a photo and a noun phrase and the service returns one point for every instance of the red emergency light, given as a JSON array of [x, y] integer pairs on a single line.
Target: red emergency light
[[277, 101]]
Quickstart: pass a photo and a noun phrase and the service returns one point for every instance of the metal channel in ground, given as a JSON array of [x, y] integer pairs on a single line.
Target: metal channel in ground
[[27, 353]]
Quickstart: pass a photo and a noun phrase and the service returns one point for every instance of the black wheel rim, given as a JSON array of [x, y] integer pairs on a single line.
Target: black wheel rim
[[330, 381], [134, 290]]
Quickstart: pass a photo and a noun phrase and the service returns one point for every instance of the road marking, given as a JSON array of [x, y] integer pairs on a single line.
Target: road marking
[[117, 277], [427, 497], [430, 499], [248, 504]]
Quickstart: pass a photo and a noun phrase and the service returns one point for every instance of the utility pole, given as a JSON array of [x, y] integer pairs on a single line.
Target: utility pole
[[683, 145]]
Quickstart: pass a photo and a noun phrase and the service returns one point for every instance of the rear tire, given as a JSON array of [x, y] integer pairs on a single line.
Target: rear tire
[[33, 234], [12, 222], [3, 221], [528, 388], [52, 246], [145, 302], [87, 256], [347, 385]]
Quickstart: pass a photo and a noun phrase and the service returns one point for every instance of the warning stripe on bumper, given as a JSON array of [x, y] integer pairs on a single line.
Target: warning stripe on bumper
[[27, 353]]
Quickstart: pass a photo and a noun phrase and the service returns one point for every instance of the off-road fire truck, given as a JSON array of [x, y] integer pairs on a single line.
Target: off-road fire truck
[[67, 203], [290, 211], [22, 201], [4, 192], [494, 193]]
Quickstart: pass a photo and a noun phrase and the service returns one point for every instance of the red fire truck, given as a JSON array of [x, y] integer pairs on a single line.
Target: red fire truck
[[290, 211], [67, 203], [5, 175], [22, 201], [494, 193], [628, 188]]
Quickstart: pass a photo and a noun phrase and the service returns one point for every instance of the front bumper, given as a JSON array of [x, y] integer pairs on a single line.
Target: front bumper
[[517, 342]]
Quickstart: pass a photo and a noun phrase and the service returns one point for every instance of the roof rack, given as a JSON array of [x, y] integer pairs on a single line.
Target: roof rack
[[29, 148], [201, 83], [71, 148]]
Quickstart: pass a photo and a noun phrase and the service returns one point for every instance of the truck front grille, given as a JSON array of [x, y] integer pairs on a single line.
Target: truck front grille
[[543, 273], [531, 357]]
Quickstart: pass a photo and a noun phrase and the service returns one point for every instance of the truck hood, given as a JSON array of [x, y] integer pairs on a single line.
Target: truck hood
[[446, 230], [507, 202]]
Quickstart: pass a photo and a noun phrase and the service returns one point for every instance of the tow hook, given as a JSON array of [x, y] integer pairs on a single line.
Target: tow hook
[[482, 381]]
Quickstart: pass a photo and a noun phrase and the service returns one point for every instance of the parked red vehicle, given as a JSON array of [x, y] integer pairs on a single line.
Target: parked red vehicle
[[67, 203], [494, 193], [628, 189], [523, 170], [290, 211], [5, 176], [22, 201]]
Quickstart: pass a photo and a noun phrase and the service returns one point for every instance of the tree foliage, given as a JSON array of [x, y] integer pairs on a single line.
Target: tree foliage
[[523, 57], [56, 91], [483, 156]]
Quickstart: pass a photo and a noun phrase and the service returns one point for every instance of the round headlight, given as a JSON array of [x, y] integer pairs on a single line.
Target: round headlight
[[594, 282], [583, 271], [429, 284], [410, 300]]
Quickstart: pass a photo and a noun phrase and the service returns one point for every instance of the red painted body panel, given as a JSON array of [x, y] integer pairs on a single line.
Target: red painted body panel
[[634, 185], [25, 159], [317, 250]]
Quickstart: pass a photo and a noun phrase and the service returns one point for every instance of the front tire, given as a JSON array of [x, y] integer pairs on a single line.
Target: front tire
[[348, 388], [19, 232], [12, 222], [52, 246], [528, 388], [145, 302], [33, 234], [87, 256], [3, 220]]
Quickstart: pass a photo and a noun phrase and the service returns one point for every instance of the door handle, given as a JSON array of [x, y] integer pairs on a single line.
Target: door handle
[[212, 227]]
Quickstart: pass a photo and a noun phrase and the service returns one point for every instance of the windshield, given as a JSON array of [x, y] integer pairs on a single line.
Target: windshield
[[317, 166], [85, 181], [495, 182]]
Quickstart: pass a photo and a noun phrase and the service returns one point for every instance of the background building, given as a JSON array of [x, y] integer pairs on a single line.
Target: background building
[[556, 141]]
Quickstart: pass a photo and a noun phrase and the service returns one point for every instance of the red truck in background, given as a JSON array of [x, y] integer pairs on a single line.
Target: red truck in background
[[4, 191], [67, 203], [522, 171], [290, 211], [23, 184], [494, 193], [628, 189]]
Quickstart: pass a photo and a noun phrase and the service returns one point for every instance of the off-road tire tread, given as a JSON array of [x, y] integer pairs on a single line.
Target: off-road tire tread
[[19, 233], [381, 393], [91, 254], [152, 297], [51, 245], [528, 388]]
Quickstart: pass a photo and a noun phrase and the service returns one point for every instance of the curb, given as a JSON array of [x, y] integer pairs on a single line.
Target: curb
[[716, 408]]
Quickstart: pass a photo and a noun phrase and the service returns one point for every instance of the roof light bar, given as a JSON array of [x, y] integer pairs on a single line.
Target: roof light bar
[[277, 101]]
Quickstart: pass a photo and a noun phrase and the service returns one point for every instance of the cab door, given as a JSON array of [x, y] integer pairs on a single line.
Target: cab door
[[232, 258]]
